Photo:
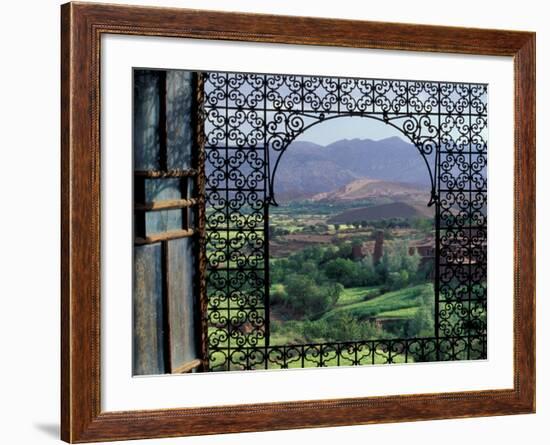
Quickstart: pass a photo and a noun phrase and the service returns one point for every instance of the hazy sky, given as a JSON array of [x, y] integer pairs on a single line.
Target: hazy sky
[[333, 130]]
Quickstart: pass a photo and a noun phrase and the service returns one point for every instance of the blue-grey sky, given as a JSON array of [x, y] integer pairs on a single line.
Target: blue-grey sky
[[333, 130]]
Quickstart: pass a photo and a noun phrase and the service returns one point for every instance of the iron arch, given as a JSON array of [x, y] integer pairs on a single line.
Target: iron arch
[[322, 118]]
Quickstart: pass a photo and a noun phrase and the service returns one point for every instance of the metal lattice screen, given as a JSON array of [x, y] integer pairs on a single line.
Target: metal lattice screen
[[249, 122]]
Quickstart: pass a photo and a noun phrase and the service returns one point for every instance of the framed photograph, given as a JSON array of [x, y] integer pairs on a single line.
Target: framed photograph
[[274, 222]]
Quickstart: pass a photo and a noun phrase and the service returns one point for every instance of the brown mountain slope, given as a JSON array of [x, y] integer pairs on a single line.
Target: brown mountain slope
[[383, 211], [366, 188], [306, 168]]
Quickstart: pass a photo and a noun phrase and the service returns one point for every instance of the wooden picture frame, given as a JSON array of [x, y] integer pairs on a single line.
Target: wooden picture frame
[[82, 26]]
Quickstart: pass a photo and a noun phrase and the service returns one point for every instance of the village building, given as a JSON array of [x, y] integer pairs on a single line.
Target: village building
[[374, 248], [425, 249]]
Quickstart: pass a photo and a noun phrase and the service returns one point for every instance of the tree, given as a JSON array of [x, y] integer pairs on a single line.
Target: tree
[[342, 270], [410, 262], [424, 225], [278, 294], [398, 280], [390, 263], [305, 298], [398, 267], [334, 291], [331, 252], [343, 326], [422, 324], [368, 272], [278, 268], [322, 227]]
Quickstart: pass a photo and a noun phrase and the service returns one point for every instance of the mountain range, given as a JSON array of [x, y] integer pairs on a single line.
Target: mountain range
[[366, 188], [308, 170], [383, 211]]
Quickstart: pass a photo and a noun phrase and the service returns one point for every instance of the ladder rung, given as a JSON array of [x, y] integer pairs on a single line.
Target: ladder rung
[[166, 204], [186, 367], [164, 236]]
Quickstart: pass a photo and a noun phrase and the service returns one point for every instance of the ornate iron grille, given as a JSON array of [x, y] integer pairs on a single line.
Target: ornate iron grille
[[249, 122]]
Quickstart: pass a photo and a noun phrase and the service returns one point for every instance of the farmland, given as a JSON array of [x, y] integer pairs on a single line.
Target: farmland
[[326, 284]]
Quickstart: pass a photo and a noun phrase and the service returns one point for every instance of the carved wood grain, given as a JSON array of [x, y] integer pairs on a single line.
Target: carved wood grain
[[81, 27]]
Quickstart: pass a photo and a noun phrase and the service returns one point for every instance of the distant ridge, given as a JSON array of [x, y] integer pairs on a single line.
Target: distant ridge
[[383, 211], [307, 169], [366, 188]]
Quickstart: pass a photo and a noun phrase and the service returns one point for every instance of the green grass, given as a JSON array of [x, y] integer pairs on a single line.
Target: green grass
[[353, 295], [404, 313], [312, 361], [401, 299], [292, 228], [285, 337]]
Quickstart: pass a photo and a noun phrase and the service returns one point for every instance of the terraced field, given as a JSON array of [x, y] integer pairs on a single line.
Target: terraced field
[[361, 304]]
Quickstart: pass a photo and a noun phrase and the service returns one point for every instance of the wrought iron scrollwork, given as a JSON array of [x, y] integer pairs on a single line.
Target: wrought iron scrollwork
[[250, 121]]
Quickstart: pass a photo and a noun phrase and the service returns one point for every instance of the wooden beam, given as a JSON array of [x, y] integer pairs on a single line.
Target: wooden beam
[[186, 367], [163, 149], [164, 236], [166, 204], [139, 196]]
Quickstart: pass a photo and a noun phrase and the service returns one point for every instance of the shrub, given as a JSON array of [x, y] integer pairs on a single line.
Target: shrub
[[334, 291], [341, 327], [398, 280], [305, 298], [278, 294], [343, 271]]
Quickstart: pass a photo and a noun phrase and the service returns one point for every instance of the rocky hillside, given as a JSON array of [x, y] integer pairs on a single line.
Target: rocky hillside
[[367, 188], [383, 211], [307, 169]]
